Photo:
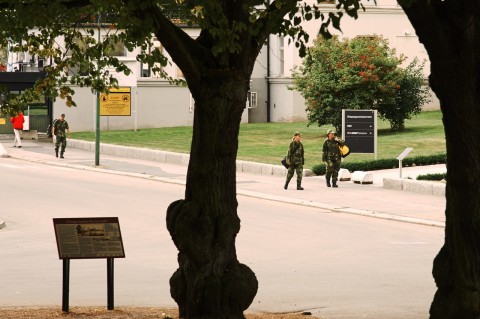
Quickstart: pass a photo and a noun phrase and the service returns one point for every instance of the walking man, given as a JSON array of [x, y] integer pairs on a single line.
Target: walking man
[[296, 159], [331, 157], [58, 130]]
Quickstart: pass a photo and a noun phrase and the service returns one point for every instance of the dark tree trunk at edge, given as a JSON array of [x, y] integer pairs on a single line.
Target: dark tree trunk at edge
[[450, 31]]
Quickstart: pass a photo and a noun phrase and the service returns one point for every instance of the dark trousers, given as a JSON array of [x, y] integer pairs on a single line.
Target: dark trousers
[[332, 168], [60, 140]]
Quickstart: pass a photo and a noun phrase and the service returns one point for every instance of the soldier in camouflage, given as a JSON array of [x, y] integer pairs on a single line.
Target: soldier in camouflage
[[60, 129], [331, 157], [295, 158]]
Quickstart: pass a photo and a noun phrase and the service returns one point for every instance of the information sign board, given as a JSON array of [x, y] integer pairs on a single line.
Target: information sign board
[[359, 130], [97, 237], [118, 102]]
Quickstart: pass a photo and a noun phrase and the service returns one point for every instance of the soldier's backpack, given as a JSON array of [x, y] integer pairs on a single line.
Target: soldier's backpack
[[49, 129]]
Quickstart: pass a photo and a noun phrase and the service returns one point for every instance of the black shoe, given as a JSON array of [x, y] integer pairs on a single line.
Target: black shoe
[[328, 184], [61, 156], [335, 186], [20, 146], [300, 188]]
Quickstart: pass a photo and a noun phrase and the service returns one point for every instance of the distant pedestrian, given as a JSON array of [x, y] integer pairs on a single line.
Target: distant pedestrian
[[296, 159], [60, 129], [331, 157], [17, 122]]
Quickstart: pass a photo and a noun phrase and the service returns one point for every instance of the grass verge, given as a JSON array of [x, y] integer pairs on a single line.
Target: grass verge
[[268, 142]]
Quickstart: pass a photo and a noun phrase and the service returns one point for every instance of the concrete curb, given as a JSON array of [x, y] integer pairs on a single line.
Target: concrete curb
[[419, 187], [176, 158], [3, 152]]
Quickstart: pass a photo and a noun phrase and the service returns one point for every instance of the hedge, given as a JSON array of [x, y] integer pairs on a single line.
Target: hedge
[[432, 177], [386, 163]]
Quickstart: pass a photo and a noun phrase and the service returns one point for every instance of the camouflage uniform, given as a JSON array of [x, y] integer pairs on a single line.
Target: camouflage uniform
[[296, 160], [332, 158], [61, 137]]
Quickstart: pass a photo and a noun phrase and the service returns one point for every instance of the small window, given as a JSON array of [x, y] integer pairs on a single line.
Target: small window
[[78, 41], [116, 48]]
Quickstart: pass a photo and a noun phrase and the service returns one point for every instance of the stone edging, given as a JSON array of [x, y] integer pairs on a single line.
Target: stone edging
[[175, 158], [419, 187]]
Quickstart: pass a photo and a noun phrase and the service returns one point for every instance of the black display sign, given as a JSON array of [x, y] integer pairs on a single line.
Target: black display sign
[[359, 130]]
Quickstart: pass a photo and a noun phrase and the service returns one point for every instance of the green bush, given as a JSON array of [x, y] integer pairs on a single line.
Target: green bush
[[360, 73], [386, 163], [432, 177]]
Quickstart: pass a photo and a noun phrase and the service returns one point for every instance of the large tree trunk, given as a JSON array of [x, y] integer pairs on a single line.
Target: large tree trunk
[[450, 31], [210, 282]]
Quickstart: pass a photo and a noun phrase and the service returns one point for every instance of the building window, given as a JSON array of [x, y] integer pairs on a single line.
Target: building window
[[146, 70], [281, 55], [115, 47], [77, 41]]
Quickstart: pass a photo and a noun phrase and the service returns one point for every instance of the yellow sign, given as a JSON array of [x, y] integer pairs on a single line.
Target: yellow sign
[[3, 121], [116, 103]]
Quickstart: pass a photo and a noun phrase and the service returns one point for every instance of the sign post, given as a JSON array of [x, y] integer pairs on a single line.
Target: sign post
[[401, 157], [87, 238], [359, 130]]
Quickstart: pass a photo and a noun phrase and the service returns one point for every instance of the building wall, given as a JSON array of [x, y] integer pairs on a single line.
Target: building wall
[[154, 103], [386, 19]]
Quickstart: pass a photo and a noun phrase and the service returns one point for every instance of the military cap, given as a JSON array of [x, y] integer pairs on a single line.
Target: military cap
[[330, 131]]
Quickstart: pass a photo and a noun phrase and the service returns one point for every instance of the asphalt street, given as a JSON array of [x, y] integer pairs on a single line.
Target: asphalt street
[[309, 251]]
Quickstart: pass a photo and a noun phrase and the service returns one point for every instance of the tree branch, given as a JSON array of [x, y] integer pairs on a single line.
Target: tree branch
[[277, 10], [189, 55]]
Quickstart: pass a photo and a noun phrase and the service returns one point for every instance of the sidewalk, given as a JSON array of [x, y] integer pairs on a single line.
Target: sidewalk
[[372, 200]]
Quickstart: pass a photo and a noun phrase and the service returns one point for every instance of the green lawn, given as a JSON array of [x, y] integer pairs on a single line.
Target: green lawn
[[268, 142]]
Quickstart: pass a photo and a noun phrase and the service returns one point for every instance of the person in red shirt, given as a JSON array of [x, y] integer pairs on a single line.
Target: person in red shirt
[[17, 122]]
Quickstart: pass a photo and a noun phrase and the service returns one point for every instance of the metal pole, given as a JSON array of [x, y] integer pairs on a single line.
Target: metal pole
[[110, 305], [136, 109], [97, 120], [66, 284]]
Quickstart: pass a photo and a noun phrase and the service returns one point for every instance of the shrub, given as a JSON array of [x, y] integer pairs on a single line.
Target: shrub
[[433, 177], [361, 73]]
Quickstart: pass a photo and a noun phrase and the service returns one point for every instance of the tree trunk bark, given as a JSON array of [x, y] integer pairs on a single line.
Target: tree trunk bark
[[210, 282], [450, 31]]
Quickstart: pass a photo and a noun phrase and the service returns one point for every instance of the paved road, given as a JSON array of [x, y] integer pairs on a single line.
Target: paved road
[[305, 256], [367, 200]]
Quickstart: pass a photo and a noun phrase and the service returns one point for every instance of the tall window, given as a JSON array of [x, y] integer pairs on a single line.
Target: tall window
[[281, 55], [146, 70]]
